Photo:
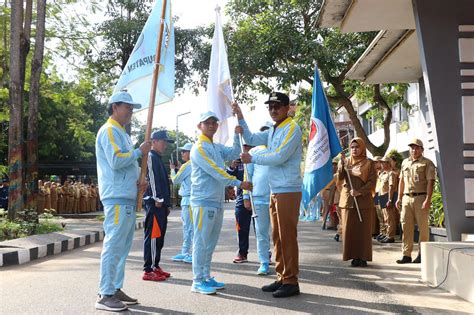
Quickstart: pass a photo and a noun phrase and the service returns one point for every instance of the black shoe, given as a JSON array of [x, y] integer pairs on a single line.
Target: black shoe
[[272, 287], [417, 259], [336, 237], [287, 290], [380, 237], [355, 263], [387, 240], [404, 260], [374, 236], [362, 263]]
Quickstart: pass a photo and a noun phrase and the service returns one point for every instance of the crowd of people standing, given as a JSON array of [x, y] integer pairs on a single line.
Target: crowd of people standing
[[69, 198]]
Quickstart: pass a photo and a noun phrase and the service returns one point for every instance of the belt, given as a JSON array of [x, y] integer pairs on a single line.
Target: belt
[[415, 194]]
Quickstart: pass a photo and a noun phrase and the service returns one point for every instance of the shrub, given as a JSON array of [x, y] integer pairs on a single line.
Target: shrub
[[27, 223], [437, 208]]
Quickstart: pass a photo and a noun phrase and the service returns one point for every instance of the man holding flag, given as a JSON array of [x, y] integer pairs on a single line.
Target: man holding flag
[[117, 173], [283, 156], [323, 145]]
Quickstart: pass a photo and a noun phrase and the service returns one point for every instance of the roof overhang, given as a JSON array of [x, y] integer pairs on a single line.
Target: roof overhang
[[366, 15], [392, 57]]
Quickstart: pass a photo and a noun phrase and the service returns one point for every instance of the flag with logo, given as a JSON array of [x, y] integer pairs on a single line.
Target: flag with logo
[[219, 87], [137, 75], [323, 145]]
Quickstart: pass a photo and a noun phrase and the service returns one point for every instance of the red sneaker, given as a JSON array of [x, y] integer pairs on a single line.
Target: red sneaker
[[161, 272], [151, 276], [239, 259]]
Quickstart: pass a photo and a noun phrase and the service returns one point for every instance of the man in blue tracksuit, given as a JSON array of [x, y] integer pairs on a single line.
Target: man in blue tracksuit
[[243, 217], [208, 180], [258, 175], [118, 174], [283, 156], [157, 204], [183, 178]]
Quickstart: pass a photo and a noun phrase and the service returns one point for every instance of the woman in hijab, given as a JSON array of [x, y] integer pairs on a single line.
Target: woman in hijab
[[356, 235]]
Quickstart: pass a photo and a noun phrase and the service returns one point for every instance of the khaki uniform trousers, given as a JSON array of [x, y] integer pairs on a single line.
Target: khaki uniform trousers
[[390, 219], [339, 216], [381, 220], [284, 212], [411, 214]]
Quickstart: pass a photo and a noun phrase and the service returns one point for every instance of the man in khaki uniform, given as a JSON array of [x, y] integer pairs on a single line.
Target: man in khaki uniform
[[379, 226], [414, 197], [389, 184]]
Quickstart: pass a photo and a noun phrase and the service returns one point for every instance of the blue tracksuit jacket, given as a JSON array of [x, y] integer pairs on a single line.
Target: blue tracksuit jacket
[[283, 154], [117, 166], [183, 178], [159, 185], [208, 177]]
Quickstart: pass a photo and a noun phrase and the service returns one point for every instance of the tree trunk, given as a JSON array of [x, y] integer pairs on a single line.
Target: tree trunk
[[345, 101], [32, 136], [15, 130], [25, 39]]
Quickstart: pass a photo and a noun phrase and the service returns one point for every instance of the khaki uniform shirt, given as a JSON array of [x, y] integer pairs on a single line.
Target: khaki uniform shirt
[[416, 174], [387, 179]]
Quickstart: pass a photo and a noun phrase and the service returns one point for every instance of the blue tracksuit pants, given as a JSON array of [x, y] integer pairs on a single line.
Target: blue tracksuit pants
[[207, 222], [188, 230], [262, 228], [119, 226], [153, 245]]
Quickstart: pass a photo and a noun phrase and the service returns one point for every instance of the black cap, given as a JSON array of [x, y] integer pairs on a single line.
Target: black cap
[[161, 135], [278, 97]]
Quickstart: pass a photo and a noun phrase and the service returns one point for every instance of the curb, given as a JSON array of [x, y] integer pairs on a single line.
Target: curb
[[51, 244]]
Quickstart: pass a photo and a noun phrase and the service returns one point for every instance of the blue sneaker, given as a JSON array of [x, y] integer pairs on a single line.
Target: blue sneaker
[[263, 270], [203, 288], [211, 282], [188, 259], [179, 257]]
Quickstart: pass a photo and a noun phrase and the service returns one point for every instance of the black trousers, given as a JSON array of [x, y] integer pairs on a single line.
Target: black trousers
[[153, 244], [243, 219]]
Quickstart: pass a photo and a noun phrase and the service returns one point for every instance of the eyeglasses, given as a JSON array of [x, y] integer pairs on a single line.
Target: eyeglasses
[[274, 106]]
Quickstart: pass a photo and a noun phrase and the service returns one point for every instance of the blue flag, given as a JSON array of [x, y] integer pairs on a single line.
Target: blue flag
[[137, 75], [323, 145]]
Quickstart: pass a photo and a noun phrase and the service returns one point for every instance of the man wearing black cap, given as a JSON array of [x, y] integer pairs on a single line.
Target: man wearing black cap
[[283, 156], [157, 203]]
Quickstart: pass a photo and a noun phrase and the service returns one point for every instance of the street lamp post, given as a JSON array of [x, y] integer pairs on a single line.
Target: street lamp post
[[177, 137]]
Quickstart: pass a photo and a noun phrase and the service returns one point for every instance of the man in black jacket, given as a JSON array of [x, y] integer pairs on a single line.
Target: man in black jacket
[[157, 203]]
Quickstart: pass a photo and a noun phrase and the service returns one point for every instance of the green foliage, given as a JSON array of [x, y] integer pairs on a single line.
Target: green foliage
[[397, 157], [70, 114], [404, 126], [437, 208], [27, 223]]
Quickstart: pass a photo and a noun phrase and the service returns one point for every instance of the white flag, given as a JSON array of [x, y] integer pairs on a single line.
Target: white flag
[[219, 88]]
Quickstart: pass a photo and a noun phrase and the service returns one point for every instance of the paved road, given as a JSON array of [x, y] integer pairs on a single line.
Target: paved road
[[67, 283]]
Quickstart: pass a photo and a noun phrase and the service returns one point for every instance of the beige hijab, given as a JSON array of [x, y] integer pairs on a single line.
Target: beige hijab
[[360, 165]]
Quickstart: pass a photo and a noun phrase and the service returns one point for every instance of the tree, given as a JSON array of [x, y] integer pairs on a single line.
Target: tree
[[32, 134], [275, 45], [15, 130]]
